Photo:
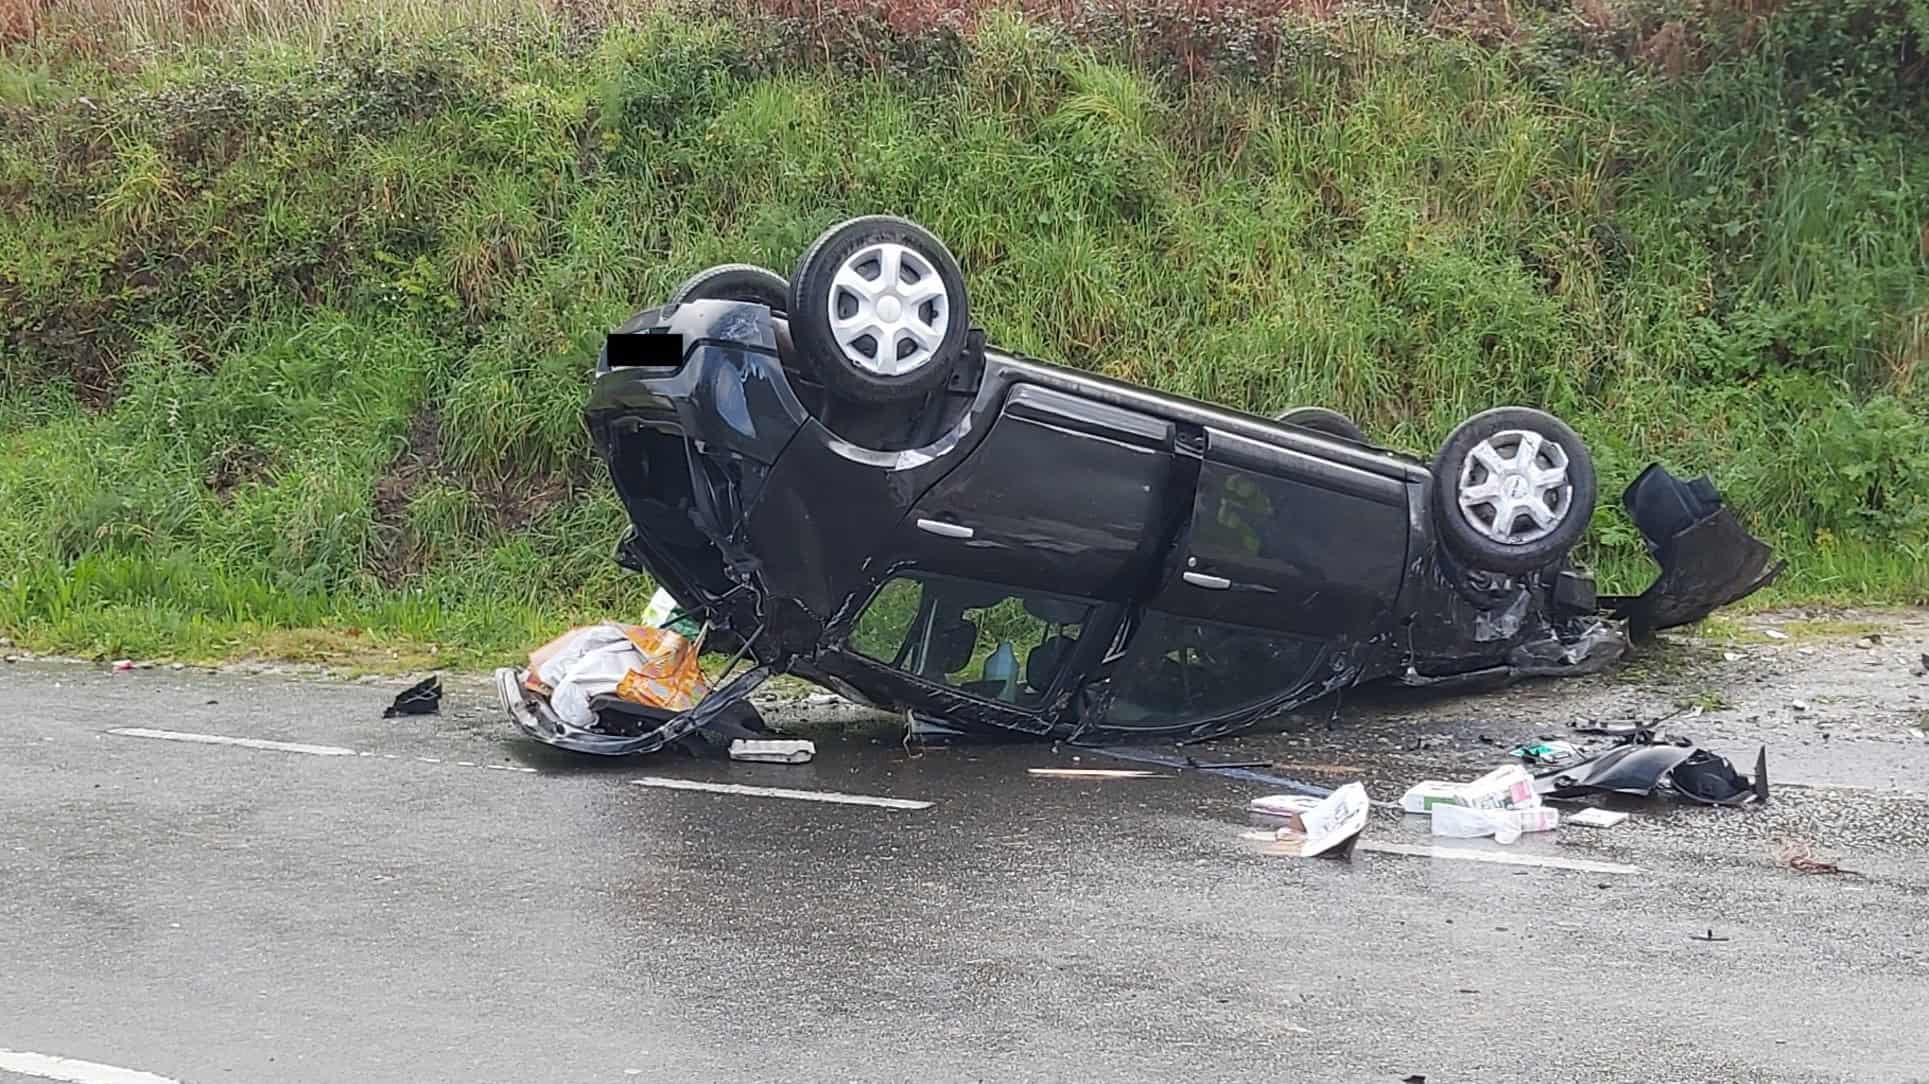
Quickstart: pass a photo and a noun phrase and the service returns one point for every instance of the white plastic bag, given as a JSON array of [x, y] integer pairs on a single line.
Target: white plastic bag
[[592, 662], [1505, 825]]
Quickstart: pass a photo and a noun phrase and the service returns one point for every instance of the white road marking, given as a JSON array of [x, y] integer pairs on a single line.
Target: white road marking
[[222, 739], [780, 792], [1501, 858], [1092, 773], [297, 747], [73, 1070]]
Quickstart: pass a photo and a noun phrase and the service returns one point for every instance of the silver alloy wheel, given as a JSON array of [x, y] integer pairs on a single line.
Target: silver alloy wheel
[[889, 297], [1512, 475]]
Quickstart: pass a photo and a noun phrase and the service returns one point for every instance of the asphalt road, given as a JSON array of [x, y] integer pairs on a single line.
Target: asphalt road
[[207, 912]]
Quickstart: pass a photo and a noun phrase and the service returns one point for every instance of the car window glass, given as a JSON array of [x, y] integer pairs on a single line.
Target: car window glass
[[1177, 669], [982, 639]]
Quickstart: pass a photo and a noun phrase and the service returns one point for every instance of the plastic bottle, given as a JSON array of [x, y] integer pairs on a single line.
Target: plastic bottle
[[1003, 666]]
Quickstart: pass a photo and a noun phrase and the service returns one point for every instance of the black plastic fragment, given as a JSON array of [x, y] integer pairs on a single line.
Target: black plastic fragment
[[422, 698], [1708, 559]]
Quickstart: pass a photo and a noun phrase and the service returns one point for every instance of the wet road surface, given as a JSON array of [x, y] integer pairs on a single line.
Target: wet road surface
[[432, 899]]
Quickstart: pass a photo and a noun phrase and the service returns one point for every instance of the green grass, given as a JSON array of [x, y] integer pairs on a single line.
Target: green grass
[[297, 326]]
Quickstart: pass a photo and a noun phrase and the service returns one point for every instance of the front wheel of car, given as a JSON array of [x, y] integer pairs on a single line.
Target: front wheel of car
[[1513, 490], [878, 310]]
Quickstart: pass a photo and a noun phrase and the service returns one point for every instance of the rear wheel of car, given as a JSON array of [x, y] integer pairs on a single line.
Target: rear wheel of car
[[1513, 490], [735, 282], [878, 310], [1322, 420]]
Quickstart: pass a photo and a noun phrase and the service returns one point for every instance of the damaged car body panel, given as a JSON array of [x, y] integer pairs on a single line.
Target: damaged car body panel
[[1048, 552]]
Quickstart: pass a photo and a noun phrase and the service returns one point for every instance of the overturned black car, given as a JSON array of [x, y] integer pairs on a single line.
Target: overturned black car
[[848, 484]]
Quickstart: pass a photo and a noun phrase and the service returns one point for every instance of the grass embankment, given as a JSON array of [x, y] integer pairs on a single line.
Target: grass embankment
[[298, 316]]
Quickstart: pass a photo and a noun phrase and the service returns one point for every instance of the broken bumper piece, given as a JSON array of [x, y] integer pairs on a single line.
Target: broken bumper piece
[[638, 730], [1708, 559]]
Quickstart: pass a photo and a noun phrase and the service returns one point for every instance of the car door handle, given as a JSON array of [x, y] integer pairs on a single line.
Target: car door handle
[[1210, 583], [945, 530]]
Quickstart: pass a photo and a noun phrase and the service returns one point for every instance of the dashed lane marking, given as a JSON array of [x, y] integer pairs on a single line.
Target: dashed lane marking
[[222, 739], [73, 1070], [746, 791]]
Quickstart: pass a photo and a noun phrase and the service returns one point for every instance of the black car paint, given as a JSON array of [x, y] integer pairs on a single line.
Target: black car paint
[[758, 518]]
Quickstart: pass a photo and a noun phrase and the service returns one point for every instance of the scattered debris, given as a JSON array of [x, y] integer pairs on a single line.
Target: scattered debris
[[639, 663], [1596, 818], [1810, 865], [1505, 825], [1798, 705], [1551, 754], [1710, 936], [178, 666], [1639, 769], [1316, 826], [773, 750], [1502, 788], [1192, 763], [1867, 643], [1730, 656], [1501, 804], [422, 698], [1626, 731], [1798, 858], [1092, 773], [121, 665], [1775, 634]]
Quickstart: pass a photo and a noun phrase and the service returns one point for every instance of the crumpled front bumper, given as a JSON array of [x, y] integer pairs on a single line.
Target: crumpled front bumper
[[1708, 559]]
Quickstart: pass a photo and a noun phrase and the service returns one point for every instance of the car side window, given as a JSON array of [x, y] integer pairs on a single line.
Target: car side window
[[979, 638], [1177, 669]]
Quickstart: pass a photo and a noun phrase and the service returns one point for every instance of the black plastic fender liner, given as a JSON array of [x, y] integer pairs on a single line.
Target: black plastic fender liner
[[1708, 559], [1627, 769]]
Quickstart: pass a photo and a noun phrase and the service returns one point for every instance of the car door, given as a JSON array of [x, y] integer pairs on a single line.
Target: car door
[[1063, 495], [1286, 554], [1012, 572], [1285, 539]]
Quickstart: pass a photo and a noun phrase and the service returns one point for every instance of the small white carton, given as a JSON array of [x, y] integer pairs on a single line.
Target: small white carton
[[1510, 787], [1318, 826]]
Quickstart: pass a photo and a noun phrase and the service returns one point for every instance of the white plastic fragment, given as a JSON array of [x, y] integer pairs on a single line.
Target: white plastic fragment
[[773, 751], [1596, 818], [1775, 634]]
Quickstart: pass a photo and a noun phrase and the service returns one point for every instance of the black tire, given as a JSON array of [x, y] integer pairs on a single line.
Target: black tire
[[735, 282], [1571, 503], [811, 297], [1322, 420]]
